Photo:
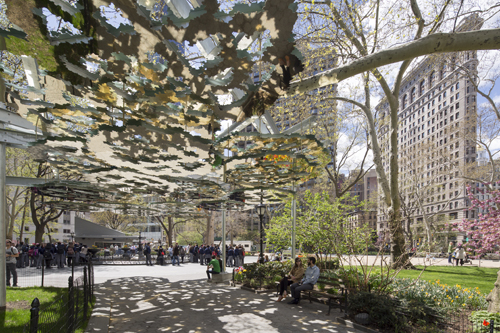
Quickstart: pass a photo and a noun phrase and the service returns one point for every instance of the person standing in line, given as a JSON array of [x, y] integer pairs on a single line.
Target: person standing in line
[[182, 252], [196, 253], [60, 255], [190, 251], [147, 253], [450, 253], [41, 251], [48, 255], [11, 255], [201, 254], [70, 253], [161, 256], [208, 255], [237, 256], [175, 255], [230, 257], [19, 258], [242, 254]]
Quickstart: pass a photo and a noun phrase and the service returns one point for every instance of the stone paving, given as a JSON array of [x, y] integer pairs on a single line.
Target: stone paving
[[179, 299], [151, 304]]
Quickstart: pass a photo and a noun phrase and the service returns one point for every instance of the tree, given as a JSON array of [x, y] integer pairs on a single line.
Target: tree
[[112, 220], [42, 206], [484, 232], [19, 164], [236, 224], [319, 218], [359, 33]]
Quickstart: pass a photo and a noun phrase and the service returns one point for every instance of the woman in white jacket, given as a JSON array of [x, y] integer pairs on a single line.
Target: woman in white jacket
[[460, 255]]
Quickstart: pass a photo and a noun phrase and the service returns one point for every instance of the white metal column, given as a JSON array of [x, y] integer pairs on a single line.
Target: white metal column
[[3, 224]]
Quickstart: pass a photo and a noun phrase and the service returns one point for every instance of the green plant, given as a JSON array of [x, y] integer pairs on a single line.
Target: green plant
[[435, 293], [381, 308], [332, 291], [478, 317], [321, 286]]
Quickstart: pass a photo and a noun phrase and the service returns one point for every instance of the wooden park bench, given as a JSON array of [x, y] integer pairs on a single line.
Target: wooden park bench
[[336, 300]]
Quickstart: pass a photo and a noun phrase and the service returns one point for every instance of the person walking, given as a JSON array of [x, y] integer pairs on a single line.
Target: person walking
[[147, 253], [11, 255], [450, 253], [460, 255]]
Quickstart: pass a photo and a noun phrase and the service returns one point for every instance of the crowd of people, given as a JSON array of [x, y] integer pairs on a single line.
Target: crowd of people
[[50, 255]]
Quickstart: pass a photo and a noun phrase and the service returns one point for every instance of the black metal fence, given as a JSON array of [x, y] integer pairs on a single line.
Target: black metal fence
[[460, 323], [70, 311], [46, 273]]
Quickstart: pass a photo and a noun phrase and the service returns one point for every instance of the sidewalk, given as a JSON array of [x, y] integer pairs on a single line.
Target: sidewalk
[[179, 299]]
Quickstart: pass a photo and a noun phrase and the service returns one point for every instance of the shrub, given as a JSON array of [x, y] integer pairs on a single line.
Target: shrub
[[381, 308], [478, 317], [438, 294]]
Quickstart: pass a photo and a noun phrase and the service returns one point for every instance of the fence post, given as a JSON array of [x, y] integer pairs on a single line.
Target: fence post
[[85, 287], [492, 326], [35, 309], [71, 305], [43, 269]]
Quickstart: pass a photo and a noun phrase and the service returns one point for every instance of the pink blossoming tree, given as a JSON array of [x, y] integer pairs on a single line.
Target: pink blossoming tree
[[483, 232]]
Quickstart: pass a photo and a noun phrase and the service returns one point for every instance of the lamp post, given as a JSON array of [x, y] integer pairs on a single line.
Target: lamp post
[[140, 243], [72, 237], [261, 210]]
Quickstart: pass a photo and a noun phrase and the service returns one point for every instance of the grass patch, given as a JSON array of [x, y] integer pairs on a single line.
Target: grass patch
[[19, 304], [15, 319], [469, 277]]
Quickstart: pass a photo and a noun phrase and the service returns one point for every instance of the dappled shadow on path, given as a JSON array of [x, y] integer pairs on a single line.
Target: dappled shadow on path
[[143, 304]]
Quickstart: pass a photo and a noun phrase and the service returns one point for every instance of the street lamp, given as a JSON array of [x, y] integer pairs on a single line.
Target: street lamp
[[261, 210]]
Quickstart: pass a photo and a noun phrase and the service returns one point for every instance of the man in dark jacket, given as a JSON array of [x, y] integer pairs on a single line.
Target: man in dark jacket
[[147, 253], [196, 254], [60, 255], [208, 255], [175, 254]]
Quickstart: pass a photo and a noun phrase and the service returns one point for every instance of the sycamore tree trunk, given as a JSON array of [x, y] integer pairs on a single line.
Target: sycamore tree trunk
[[493, 297], [209, 235]]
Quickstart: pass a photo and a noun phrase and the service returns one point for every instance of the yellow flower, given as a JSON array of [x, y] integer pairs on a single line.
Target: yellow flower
[[452, 301], [244, 270], [456, 296], [463, 304]]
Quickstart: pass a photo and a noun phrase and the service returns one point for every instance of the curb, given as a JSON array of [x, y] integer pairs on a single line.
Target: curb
[[358, 327]]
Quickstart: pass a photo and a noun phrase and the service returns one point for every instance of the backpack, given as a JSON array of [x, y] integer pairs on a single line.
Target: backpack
[[71, 251], [35, 252], [47, 254], [60, 250], [31, 252]]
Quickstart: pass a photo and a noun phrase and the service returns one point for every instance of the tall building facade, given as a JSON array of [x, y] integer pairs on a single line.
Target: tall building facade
[[437, 119]]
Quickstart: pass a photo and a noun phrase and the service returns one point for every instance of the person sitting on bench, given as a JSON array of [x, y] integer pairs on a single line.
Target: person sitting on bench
[[307, 283], [294, 276], [214, 264]]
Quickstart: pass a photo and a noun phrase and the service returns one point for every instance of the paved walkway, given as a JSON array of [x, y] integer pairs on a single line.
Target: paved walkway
[[179, 299]]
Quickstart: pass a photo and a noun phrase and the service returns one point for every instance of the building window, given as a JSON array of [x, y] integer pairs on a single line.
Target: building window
[[422, 87], [66, 231], [405, 101], [26, 228], [413, 93]]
